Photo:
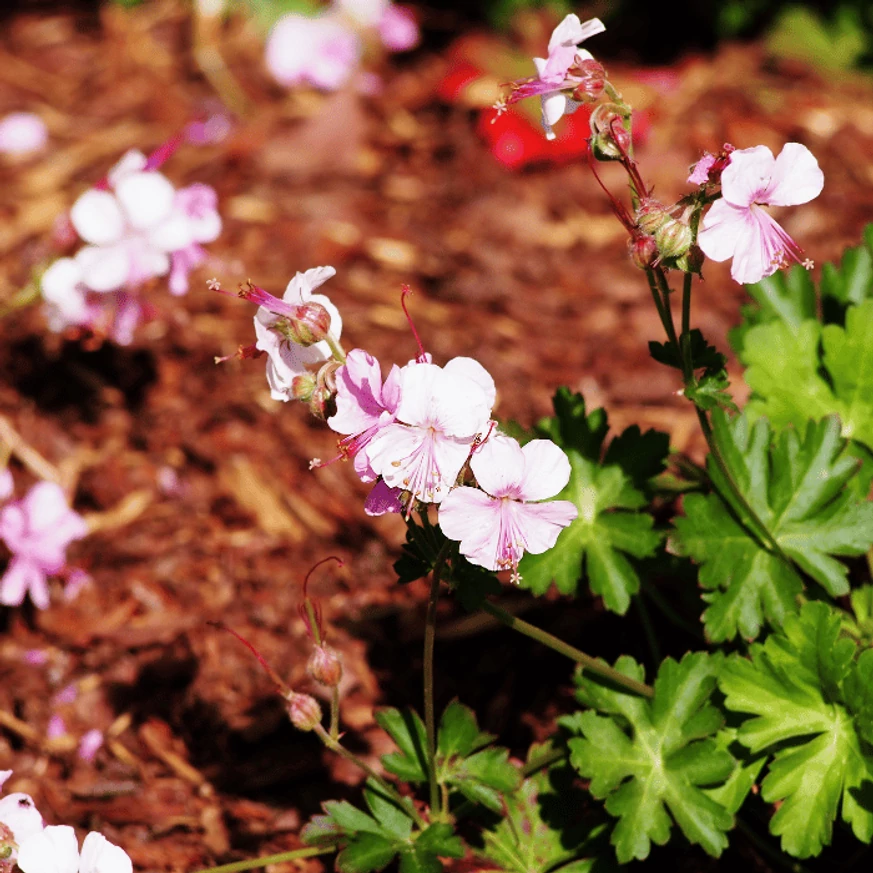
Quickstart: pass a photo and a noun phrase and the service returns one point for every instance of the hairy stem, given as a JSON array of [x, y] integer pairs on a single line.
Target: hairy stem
[[588, 663]]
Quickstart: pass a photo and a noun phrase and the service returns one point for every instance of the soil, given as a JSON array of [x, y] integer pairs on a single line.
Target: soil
[[197, 485]]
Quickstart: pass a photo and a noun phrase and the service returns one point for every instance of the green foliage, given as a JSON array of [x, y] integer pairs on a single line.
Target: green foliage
[[609, 496], [837, 42], [371, 840], [811, 698], [419, 553], [466, 760], [794, 482], [543, 830], [651, 759]]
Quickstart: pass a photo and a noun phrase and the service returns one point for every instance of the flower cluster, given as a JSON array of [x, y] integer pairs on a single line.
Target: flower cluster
[[137, 226], [737, 183], [37, 529], [325, 50], [420, 434], [27, 842]]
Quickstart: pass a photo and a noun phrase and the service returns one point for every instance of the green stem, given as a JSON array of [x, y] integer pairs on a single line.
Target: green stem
[[543, 761], [254, 863], [562, 648], [334, 712], [335, 348], [428, 683], [335, 746]]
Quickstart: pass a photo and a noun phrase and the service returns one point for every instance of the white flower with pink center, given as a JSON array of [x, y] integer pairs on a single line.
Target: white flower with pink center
[[288, 360], [364, 405], [738, 226], [37, 530], [498, 524], [442, 411], [56, 850]]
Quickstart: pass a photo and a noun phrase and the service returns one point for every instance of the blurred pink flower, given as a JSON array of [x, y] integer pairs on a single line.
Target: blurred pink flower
[[318, 51], [37, 529], [398, 28], [738, 227], [22, 132], [90, 744], [497, 525]]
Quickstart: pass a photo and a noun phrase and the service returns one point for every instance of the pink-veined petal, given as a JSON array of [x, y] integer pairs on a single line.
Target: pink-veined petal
[[746, 178], [54, 850], [752, 258], [472, 518], [797, 177], [383, 499], [359, 394], [546, 470], [723, 227], [543, 522], [498, 465], [97, 218]]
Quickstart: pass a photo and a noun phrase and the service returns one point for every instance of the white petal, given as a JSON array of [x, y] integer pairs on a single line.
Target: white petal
[[54, 850], [59, 281], [132, 161], [18, 812], [97, 217], [747, 177], [554, 107], [173, 233], [472, 518], [722, 229], [101, 856], [568, 32], [300, 288], [797, 177], [146, 198], [543, 522], [546, 470], [104, 268], [498, 465]]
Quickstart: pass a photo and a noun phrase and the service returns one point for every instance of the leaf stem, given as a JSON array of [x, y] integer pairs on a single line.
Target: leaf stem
[[562, 648], [548, 758], [336, 746], [254, 863], [427, 680]]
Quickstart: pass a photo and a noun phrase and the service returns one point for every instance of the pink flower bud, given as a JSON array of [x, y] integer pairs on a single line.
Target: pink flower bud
[[309, 324], [304, 711], [303, 387], [651, 215], [593, 80], [643, 251], [325, 666], [610, 139]]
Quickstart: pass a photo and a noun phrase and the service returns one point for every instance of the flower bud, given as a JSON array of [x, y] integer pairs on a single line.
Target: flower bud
[[673, 238], [610, 140], [303, 386], [592, 80], [691, 261], [643, 251], [651, 215], [325, 666], [304, 711], [310, 324], [8, 847]]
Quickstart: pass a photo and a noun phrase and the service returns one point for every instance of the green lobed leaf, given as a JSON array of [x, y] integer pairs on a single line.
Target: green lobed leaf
[[458, 732], [651, 759], [364, 853], [808, 703], [610, 526], [545, 828], [795, 483], [407, 730], [703, 355]]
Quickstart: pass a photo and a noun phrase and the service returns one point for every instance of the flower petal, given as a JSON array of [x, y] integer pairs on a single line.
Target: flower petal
[[101, 856], [20, 815], [797, 177], [498, 465], [97, 218], [746, 179], [546, 470], [54, 850], [146, 198], [722, 229], [472, 518]]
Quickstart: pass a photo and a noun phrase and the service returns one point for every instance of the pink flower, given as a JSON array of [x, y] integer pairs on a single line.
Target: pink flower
[[37, 529], [317, 51], [738, 227], [56, 850], [441, 412], [363, 406], [554, 77], [700, 171], [19, 820], [497, 525], [398, 29], [22, 132], [289, 360]]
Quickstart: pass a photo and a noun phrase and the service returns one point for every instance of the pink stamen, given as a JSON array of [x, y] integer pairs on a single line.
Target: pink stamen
[[422, 354]]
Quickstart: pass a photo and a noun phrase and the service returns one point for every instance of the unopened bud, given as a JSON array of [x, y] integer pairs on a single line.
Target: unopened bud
[[325, 666], [673, 238], [304, 711], [303, 386], [610, 139], [691, 261], [651, 215], [643, 251], [310, 325], [8, 847], [593, 79]]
